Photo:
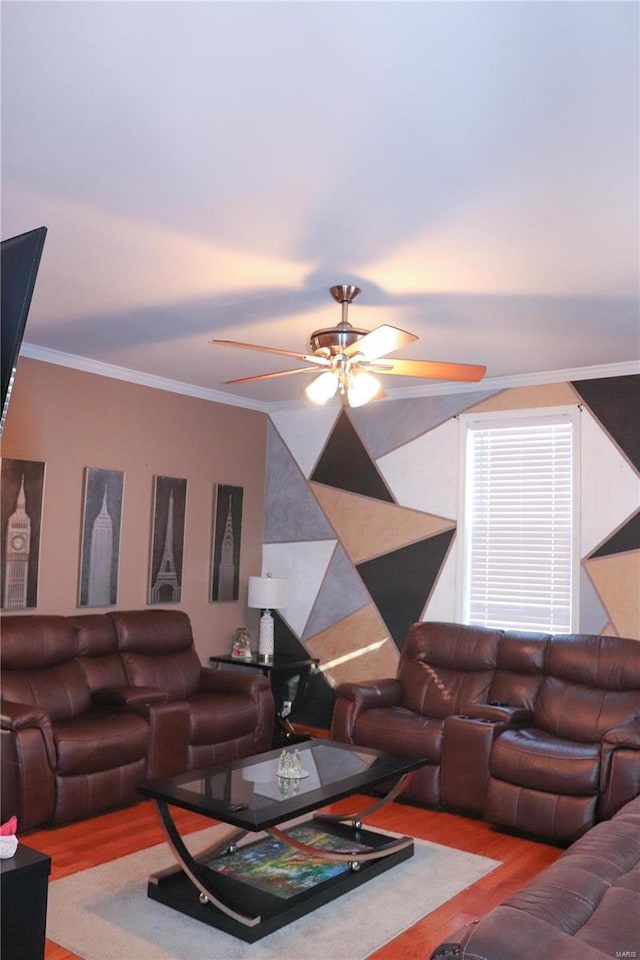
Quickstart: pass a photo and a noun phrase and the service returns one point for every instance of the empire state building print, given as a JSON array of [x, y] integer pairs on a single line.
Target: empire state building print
[[22, 491], [100, 553]]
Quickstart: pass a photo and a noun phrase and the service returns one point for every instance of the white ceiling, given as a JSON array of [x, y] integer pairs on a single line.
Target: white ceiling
[[209, 169]]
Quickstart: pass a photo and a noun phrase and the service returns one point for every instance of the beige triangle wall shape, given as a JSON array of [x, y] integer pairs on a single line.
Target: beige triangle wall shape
[[616, 580], [356, 647], [370, 528], [544, 395]]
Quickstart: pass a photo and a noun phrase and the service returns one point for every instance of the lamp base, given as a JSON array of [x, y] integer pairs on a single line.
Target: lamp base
[[265, 640]]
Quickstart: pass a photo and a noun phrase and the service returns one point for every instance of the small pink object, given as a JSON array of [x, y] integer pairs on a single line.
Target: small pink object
[[8, 839]]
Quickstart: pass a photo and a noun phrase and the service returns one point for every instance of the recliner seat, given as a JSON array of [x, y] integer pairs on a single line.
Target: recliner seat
[[72, 760], [546, 776]]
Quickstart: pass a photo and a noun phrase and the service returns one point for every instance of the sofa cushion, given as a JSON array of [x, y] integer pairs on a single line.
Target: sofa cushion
[[99, 742], [175, 673], [533, 758], [61, 691], [157, 650], [98, 651], [152, 631], [592, 684], [519, 669], [611, 663], [445, 666], [580, 712], [36, 642], [39, 665], [441, 692]]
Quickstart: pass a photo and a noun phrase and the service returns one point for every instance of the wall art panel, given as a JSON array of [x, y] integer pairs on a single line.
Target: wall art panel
[[226, 541], [22, 497], [100, 547], [167, 540]]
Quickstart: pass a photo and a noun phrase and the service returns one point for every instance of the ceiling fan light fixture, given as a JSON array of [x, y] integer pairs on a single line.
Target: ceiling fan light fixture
[[362, 388], [320, 390], [347, 354]]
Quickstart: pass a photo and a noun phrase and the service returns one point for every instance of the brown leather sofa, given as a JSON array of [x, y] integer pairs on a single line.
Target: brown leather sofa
[[586, 905], [533, 732], [94, 705]]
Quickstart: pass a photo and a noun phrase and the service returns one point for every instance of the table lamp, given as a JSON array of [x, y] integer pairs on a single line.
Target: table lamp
[[267, 594]]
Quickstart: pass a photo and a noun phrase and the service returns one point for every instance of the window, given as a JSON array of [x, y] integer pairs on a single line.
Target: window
[[519, 521]]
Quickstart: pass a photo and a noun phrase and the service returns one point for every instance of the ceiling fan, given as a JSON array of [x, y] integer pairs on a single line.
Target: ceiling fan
[[348, 358]]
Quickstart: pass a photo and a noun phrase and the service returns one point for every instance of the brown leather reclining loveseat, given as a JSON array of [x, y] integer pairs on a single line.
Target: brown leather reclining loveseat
[[533, 732], [94, 705]]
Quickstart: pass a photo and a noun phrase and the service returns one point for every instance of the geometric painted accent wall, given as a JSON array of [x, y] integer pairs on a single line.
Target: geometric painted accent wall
[[615, 402], [613, 563], [400, 582], [361, 515]]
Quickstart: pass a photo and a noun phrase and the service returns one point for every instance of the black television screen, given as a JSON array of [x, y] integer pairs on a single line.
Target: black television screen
[[19, 262]]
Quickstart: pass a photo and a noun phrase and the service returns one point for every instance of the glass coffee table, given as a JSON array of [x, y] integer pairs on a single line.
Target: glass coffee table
[[252, 888]]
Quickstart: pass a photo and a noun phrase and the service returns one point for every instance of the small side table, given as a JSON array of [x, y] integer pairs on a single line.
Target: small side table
[[289, 678], [24, 885]]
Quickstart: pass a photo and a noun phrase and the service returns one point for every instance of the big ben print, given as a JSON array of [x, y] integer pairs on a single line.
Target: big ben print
[[22, 495]]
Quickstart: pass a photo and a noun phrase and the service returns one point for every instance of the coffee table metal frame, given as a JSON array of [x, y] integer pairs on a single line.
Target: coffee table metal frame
[[222, 901]]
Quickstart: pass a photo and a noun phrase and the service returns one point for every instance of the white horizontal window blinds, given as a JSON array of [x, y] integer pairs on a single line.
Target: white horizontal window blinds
[[519, 526]]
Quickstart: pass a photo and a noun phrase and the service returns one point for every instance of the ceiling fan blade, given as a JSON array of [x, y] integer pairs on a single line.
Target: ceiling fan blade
[[434, 370], [384, 339], [309, 358], [270, 376]]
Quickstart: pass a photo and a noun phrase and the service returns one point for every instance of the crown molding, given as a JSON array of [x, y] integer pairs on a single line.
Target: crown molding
[[101, 369]]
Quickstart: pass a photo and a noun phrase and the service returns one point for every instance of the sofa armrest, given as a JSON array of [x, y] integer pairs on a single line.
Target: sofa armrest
[[626, 735], [511, 935], [21, 716], [619, 766], [16, 716], [497, 713], [372, 695], [128, 697], [233, 681], [242, 683], [352, 699]]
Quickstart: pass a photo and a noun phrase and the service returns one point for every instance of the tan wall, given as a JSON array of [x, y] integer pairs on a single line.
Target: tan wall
[[72, 420]]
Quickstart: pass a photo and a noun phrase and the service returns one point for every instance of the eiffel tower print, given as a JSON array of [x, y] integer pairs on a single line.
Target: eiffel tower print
[[166, 587]]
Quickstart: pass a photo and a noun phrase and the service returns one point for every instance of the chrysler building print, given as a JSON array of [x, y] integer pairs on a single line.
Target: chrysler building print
[[167, 541], [227, 571], [22, 489], [100, 556], [18, 546], [225, 565]]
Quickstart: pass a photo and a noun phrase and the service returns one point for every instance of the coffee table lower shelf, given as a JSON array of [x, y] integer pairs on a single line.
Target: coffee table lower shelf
[[175, 889]]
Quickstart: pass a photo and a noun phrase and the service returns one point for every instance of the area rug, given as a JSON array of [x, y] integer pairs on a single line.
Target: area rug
[[105, 914]]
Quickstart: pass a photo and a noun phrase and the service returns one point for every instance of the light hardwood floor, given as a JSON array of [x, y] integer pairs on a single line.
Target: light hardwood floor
[[92, 842]]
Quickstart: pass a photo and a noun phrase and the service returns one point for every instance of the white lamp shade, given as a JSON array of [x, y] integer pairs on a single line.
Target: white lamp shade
[[362, 388], [323, 387], [268, 593]]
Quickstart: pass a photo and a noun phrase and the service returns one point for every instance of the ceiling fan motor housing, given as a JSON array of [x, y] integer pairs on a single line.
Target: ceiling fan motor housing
[[331, 341]]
